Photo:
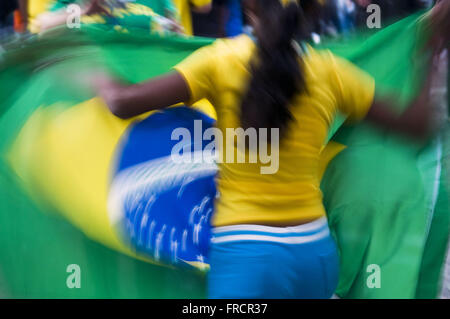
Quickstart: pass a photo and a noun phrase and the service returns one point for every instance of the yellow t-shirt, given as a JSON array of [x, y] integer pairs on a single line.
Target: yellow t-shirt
[[35, 8], [220, 73], [184, 11]]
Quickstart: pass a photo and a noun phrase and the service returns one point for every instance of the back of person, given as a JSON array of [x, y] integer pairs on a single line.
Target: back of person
[[282, 187], [269, 213]]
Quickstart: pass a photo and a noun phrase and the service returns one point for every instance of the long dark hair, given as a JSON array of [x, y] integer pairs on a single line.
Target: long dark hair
[[276, 74]]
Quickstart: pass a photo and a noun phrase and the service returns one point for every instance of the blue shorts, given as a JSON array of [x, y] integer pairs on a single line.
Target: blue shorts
[[253, 261]]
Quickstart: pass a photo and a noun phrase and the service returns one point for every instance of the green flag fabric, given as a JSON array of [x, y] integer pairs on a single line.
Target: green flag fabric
[[372, 212]]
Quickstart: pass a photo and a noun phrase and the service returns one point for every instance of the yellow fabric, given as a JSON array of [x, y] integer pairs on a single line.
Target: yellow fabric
[[285, 2], [35, 8], [220, 73], [330, 151], [184, 12], [47, 153]]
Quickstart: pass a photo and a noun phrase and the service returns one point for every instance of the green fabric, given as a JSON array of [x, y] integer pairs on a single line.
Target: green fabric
[[380, 193]]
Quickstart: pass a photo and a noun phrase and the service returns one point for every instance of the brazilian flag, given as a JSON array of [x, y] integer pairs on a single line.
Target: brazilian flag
[[89, 208]]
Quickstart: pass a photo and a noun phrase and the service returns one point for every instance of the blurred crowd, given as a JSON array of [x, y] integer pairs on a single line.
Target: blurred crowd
[[215, 18], [325, 17]]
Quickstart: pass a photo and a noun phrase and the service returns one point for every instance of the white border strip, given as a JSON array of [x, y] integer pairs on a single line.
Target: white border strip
[[282, 240]]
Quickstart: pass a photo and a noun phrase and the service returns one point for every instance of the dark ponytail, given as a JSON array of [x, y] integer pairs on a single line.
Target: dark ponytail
[[276, 75]]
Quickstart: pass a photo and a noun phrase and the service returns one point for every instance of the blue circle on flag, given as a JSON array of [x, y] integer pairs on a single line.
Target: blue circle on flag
[[163, 206]]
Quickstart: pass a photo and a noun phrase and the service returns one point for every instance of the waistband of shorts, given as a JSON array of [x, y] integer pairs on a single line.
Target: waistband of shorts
[[300, 234]]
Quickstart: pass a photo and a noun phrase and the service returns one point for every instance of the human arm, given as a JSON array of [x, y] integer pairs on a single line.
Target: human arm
[[126, 101]]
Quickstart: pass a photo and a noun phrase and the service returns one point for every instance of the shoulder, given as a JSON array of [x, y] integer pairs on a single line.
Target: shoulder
[[329, 66]]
